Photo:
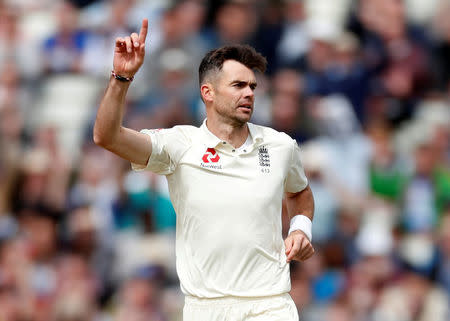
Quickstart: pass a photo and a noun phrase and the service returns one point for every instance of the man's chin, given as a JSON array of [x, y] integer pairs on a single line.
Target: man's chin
[[243, 118], [237, 119]]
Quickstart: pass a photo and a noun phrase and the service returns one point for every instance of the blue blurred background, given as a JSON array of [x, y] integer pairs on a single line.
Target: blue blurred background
[[363, 86]]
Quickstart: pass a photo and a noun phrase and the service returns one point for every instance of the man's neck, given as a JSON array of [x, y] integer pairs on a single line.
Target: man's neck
[[235, 135]]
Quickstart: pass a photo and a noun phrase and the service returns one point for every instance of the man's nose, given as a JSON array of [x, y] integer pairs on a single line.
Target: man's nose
[[249, 93]]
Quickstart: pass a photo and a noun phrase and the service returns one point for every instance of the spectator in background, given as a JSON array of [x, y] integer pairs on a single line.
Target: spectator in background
[[76, 291], [191, 15], [12, 89], [44, 174], [288, 113], [174, 87], [83, 239], [62, 52], [171, 76], [342, 140], [401, 51], [16, 296], [285, 115], [133, 208], [234, 22], [348, 223], [140, 298], [388, 174], [96, 52], [97, 187], [144, 204], [46, 139], [295, 38], [429, 182], [16, 46], [333, 65], [32, 181], [348, 74], [419, 208], [412, 297], [320, 55], [269, 32], [37, 275]]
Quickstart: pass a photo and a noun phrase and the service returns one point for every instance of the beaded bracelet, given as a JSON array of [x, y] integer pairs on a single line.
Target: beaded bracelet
[[121, 78]]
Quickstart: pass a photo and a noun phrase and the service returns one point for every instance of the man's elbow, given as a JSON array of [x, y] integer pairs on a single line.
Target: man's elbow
[[306, 190], [101, 139]]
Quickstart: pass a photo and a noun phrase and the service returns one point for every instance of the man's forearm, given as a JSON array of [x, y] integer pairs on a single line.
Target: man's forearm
[[300, 203], [109, 116], [300, 208]]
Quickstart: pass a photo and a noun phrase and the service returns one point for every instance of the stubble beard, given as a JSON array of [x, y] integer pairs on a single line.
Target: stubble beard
[[229, 115]]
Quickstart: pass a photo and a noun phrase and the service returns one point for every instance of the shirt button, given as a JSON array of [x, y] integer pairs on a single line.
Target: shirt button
[[245, 151], [233, 150], [224, 143]]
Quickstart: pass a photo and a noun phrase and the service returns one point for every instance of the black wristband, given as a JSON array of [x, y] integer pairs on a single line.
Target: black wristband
[[121, 78]]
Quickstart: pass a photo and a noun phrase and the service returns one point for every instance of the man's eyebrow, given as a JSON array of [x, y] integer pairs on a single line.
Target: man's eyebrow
[[250, 83]]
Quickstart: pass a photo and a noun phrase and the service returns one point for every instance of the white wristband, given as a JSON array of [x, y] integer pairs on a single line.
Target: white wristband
[[302, 223]]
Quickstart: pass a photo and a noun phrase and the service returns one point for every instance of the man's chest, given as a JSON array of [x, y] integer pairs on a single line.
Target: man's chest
[[255, 162], [203, 172], [212, 185]]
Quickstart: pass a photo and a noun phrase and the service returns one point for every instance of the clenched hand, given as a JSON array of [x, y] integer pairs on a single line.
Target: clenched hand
[[298, 247]]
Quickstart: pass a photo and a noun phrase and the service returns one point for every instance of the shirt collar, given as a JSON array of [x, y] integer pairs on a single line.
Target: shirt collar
[[212, 140], [255, 132]]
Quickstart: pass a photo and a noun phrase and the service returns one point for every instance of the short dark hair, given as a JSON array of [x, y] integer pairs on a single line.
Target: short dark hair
[[245, 54]]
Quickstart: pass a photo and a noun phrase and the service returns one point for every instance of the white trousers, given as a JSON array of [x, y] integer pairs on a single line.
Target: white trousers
[[272, 308]]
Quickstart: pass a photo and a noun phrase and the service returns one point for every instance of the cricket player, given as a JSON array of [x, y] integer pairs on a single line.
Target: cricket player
[[227, 179]]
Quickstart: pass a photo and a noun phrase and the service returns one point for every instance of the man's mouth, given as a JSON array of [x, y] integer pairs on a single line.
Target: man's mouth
[[247, 106]]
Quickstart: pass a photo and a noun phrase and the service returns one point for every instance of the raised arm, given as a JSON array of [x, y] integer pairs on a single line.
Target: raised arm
[[109, 133]]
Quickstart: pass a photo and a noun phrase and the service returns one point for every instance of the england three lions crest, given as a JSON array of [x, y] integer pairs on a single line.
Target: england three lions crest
[[264, 157]]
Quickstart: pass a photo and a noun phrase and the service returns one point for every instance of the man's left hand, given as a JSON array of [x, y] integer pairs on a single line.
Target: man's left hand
[[298, 247]]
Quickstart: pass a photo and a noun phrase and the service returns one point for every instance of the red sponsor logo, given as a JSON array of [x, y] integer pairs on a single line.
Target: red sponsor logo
[[210, 156]]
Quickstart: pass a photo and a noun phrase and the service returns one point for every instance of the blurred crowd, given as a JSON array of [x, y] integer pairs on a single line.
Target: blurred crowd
[[363, 86]]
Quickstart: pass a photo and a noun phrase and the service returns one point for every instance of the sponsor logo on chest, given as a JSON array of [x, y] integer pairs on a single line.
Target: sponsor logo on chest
[[211, 159]]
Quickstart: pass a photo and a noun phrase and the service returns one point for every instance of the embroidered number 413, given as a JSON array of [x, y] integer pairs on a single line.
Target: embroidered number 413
[[265, 170]]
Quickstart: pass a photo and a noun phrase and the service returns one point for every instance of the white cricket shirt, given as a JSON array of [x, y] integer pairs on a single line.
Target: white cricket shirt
[[228, 205]]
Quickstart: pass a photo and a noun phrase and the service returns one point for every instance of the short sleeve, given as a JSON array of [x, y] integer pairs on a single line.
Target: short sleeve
[[296, 179], [167, 145]]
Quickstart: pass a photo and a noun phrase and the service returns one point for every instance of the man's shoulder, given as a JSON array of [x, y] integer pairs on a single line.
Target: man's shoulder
[[186, 129], [178, 130], [270, 134], [179, 135]]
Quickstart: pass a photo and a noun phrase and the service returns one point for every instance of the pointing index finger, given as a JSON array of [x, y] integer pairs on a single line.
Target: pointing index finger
[[144, 30]]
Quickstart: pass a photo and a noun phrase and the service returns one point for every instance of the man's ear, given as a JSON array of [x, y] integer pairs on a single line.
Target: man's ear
[[207, 92]]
